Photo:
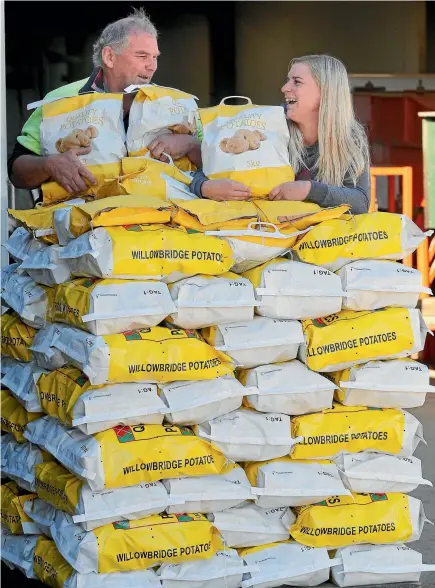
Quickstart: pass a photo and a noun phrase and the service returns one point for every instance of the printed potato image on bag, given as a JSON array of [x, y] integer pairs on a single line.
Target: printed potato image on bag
[[14, 417], [342, 429], [126, 456], [247, 143], [13, 516], [157, 539], [349, 337], [378, 235], [360, 518], [17, 337], [139, 252]]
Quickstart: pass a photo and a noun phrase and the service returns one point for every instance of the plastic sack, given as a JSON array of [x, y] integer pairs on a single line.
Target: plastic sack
[[248, 526], [378, 235], [360, 518], [46, 267], [366, 472], [194, 402], [285, 564], [233, 133], [47, 356], [288, 482], [208, 494], [126, 456], [258, 342], [374, 284], [361, 565], [104, 307], [343, 429], [65, 491], [135, 545], [18, 550], [225, 568], [140, 252], [13, 515], [67, 395], [14, 417], [288, 387], [293, 290], [394, 383], [17, 338], [153, 354], [20, 378], [18, 461], [203, 301], [21, 244], [246, 435], [349, 338]]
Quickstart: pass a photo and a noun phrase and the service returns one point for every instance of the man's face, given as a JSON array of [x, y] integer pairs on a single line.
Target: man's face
[[137, 63]]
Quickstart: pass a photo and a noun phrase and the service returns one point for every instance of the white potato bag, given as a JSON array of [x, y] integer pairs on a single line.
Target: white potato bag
[[249, 526], [18, 461], [41, 513], [208, 494], [361, 565], [287, 564], [21, 244], [367, 472], [46, 267], [203, 301], [17, 550], [260, 341], [394, 383], [288, 387], [373, 283], [24, 296], [47, 356], [296, 290], [196, 401], [20, 378], [246, 435]]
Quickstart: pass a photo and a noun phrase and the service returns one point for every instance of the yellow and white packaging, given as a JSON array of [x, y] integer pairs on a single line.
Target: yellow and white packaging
[[126, 456], [349, 337], [260, 341], [46, 267], [47, 356], [377, 565], [246, 435], [285, 564], [378, 235], [152, 354], [158, 110], [21, 244], [360, 518], [246, 143], [67, 395], [20, 379], [29, 300], [104, 307], [65, 491], [248, 526], [18, 550], [18, 461], [140, 252], [13, 516], [225, 568], [208, 494], [14, 417], [194, 402], [288, 482], [393, 383], [341, 429], [374, 472], [17, 338], [203, 301], [288, 387], [371, 284], [288, 289], [136, 545]]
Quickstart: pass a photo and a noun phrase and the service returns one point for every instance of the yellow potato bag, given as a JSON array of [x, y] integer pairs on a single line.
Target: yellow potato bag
[[348, 520], [14, 417], [48, 564], [40, 220], [16, 337], [145, 176], [57, 486], [12, 507]]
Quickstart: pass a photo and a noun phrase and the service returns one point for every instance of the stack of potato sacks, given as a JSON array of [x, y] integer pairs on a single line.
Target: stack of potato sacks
[[169, 374]]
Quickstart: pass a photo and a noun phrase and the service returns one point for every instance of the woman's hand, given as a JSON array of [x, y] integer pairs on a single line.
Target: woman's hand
[[291, 191], [222, 190]]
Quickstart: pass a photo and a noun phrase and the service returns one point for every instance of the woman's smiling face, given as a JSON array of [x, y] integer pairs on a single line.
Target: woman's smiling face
[[302, 94]]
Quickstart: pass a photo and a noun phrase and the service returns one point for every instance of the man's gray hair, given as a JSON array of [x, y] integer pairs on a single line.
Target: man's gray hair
[[116, 34]]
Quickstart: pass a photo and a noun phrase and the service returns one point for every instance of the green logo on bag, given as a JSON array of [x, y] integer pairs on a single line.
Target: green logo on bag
[[123, 433], [378, 497], [121, 525]]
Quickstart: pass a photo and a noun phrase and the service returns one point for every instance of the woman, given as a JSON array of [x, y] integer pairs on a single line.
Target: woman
[[328, 147]]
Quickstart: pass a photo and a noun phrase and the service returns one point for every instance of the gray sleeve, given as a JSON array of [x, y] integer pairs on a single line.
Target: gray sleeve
[[358, 197], [198, 179]]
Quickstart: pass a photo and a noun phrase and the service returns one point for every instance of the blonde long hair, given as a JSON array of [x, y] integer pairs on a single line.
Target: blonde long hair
[[343, 145]]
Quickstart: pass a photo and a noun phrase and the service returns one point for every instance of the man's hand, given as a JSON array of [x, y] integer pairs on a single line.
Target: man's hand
[[291, 191], [177, 146], [67, 170], [222, 190]]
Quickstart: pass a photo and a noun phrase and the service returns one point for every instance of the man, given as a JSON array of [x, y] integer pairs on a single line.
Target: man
[[125, 53]]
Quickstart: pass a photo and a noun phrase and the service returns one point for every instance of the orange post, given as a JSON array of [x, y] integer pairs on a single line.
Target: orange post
[[407, 204], [391, 194]]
